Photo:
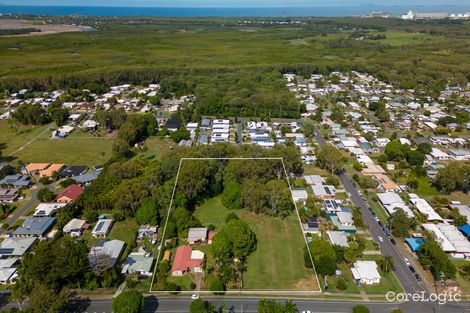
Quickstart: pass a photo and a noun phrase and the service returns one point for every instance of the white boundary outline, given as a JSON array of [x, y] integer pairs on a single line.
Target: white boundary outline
[[251, 292]]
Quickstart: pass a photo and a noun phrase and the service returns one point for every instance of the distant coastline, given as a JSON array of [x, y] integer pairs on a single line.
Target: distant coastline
[[227, 11]]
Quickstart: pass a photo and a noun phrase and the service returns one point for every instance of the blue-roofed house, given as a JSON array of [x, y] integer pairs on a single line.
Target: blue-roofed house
[[414, 243], [16, 180], [465, 229], [34, 227]]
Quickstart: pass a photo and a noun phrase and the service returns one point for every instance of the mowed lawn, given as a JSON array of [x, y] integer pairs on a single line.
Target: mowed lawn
[[78, 149], [278, 262]]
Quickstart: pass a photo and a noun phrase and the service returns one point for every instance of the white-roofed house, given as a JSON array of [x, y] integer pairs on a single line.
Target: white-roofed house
[[314, 179], [47, 209], [424, 208], [102, 228], [366, 273], [299, 195], [338, 238], [75, 227], [391, 201]]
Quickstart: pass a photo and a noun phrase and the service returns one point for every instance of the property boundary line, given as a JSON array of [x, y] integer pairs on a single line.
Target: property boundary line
[[239, 292]]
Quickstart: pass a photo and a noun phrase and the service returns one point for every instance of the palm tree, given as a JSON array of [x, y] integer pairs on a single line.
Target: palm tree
[[291, 307]]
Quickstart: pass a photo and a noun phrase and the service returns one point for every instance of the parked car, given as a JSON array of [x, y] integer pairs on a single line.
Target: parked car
[[418, 278], [407, 261], [393, 241], [380, 239], [194, 297], [412, 269]]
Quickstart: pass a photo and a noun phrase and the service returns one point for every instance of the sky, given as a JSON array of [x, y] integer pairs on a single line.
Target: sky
[[231, 3]]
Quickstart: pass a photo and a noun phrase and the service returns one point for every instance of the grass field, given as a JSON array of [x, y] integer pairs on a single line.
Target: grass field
[[212, 212], [78, 149], [277, 263], [463, 282], [125, 231]]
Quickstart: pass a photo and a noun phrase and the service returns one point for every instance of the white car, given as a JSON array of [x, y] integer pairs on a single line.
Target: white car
[[194, 297], [306, 312], [380, 239], [407, 261]]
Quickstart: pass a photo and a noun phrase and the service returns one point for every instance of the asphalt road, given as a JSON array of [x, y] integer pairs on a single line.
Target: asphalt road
[[404, 275], [245, 305]]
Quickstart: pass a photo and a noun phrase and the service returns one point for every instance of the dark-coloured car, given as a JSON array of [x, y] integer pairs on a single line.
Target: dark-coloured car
[[412, 269], [418, 278], [393, 241]]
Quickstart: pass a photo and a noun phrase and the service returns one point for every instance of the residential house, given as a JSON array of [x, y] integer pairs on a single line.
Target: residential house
[[69, 194], [112, 248], [35, 168], [299, 195], [87, 178], [34, 227], [366, 273], [9, 195], [197, 235], [450, 239], [47, 209], [102, 228], [438, 154], [72, 171], [8, 270], [392, 201], [147, 231], [323, 191], [457, 154], [51, 170], [314, 179], [75, 227], [13, 247], [187, 260], [16, 180], [338, 238], [424, 208], [138, 263]]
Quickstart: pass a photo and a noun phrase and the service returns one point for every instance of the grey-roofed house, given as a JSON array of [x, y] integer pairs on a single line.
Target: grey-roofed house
[[299, 195], [102, 228], [112, 248], [205, 124], [75, 227], [197, 235], [9, 194], [16, 246], [72, 171], [138, 262], [34, 227], [323, 191], [338, 238], [86, 178], [16, 180], [203, 139], [314, 179]]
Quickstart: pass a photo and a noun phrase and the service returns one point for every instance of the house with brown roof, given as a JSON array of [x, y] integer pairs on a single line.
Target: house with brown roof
[[49, 171], [35, 167], [187, 260], [69, 194]]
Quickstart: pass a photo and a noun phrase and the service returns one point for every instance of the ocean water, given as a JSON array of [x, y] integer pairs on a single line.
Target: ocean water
[[227, 12]]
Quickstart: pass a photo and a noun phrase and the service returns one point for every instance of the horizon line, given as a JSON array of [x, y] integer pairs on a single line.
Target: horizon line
[[236, 7]]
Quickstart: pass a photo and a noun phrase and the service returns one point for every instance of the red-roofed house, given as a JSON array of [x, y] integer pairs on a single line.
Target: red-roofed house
[[187, 260], [211, 236], [69, 194]]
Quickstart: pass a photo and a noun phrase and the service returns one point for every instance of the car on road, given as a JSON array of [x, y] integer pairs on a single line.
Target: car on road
[[380, 239], [407, 262], [418, 278], [306, 312], [412, 269], [194, 297], [393, 241]]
